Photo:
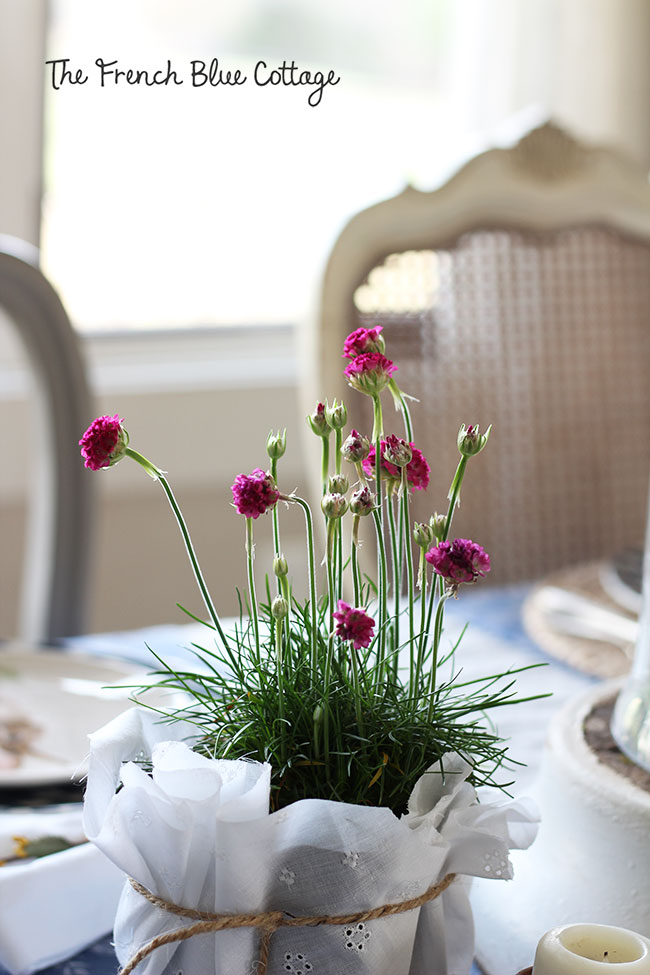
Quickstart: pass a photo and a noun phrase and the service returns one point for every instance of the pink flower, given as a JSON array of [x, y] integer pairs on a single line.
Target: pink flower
[[417, 469], [255, 493], [363, 340], [370, 372], [104, 442], [459, 561], [354, 624]]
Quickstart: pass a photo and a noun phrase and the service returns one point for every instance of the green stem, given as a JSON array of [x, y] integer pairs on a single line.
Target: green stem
[[361, 474], [327, 672], [275, 515], [250, 555], [286, 593], [339, 560], [279, 626], [354, 560], [339, 444], [415, 678], [338, 435], [317, 725], [312, 586], [454, 495], [325, 462], [397, 569], [158, 475], [378, 515], [437, 633], [406, 413], [377, 417], [424, 636], [332, 525], [357, 688], [408, 555], [383, 613]]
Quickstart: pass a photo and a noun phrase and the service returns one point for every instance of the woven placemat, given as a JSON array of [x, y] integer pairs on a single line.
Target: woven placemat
[[596, 657]]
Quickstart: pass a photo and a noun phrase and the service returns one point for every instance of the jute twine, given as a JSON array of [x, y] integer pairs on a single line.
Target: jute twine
[[268, 921]]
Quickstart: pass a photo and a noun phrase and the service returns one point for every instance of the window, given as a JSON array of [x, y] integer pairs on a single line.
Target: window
[[177, 205]]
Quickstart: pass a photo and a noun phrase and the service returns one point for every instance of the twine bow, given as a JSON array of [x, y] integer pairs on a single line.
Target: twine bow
[[267, 921]]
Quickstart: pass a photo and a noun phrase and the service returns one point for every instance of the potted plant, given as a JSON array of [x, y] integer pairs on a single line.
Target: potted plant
[[312, 805]]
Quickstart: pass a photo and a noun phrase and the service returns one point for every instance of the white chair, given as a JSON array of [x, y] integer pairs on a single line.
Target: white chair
[[517, 294], [58, 537]]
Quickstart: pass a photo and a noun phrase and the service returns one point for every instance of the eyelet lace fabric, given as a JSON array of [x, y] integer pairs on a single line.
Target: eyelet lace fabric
[[198, 834]]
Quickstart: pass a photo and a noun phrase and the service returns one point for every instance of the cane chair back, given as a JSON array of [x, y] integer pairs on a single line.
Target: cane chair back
[[518, 295]]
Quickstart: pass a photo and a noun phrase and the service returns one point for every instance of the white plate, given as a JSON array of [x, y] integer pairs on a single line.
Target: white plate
[[63, 697]]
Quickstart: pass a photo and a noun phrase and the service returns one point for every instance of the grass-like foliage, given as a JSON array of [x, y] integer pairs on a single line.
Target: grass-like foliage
[[351, 702], [366, 745]]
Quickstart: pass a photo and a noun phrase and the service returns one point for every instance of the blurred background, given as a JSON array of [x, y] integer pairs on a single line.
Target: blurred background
[[186, 229]]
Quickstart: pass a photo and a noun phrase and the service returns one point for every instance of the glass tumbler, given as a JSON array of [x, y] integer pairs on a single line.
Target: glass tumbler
[[630, 723]]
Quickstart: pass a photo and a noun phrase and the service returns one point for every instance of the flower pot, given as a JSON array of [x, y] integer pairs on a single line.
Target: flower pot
[[319, 886]]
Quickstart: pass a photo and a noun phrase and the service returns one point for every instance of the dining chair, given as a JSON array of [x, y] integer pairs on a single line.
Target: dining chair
[[517, 294], [58, 531]]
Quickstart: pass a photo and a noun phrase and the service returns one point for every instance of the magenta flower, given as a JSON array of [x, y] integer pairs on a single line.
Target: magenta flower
[[354, 625], [370, 372], [104, 442], [417, 469], [459, 561], [255, 493], [363, 340]]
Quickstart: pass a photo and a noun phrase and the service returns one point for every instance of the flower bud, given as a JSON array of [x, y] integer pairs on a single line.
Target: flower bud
[[338, 484], [362, 502], [318, 714], [437, 524], [280, 567], [336, 415], [397, 452], [318, 422], [333, 505], [423, 535], [470, 441], [369, 373], [279, 608], [276, 444], [355, 448]]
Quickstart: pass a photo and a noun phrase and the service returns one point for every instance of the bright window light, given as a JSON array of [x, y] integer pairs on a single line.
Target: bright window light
[[172, 205]]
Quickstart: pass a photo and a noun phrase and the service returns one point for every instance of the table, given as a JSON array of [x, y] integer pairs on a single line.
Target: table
[[495, 640]]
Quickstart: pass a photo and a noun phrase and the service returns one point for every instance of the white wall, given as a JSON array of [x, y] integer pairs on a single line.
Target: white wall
[[22, 36], [201, 410]]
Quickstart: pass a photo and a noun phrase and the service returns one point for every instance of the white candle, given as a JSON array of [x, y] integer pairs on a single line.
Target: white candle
[[588, 949]]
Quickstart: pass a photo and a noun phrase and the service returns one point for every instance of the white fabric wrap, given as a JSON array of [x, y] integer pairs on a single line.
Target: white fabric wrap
[[197, 832]]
